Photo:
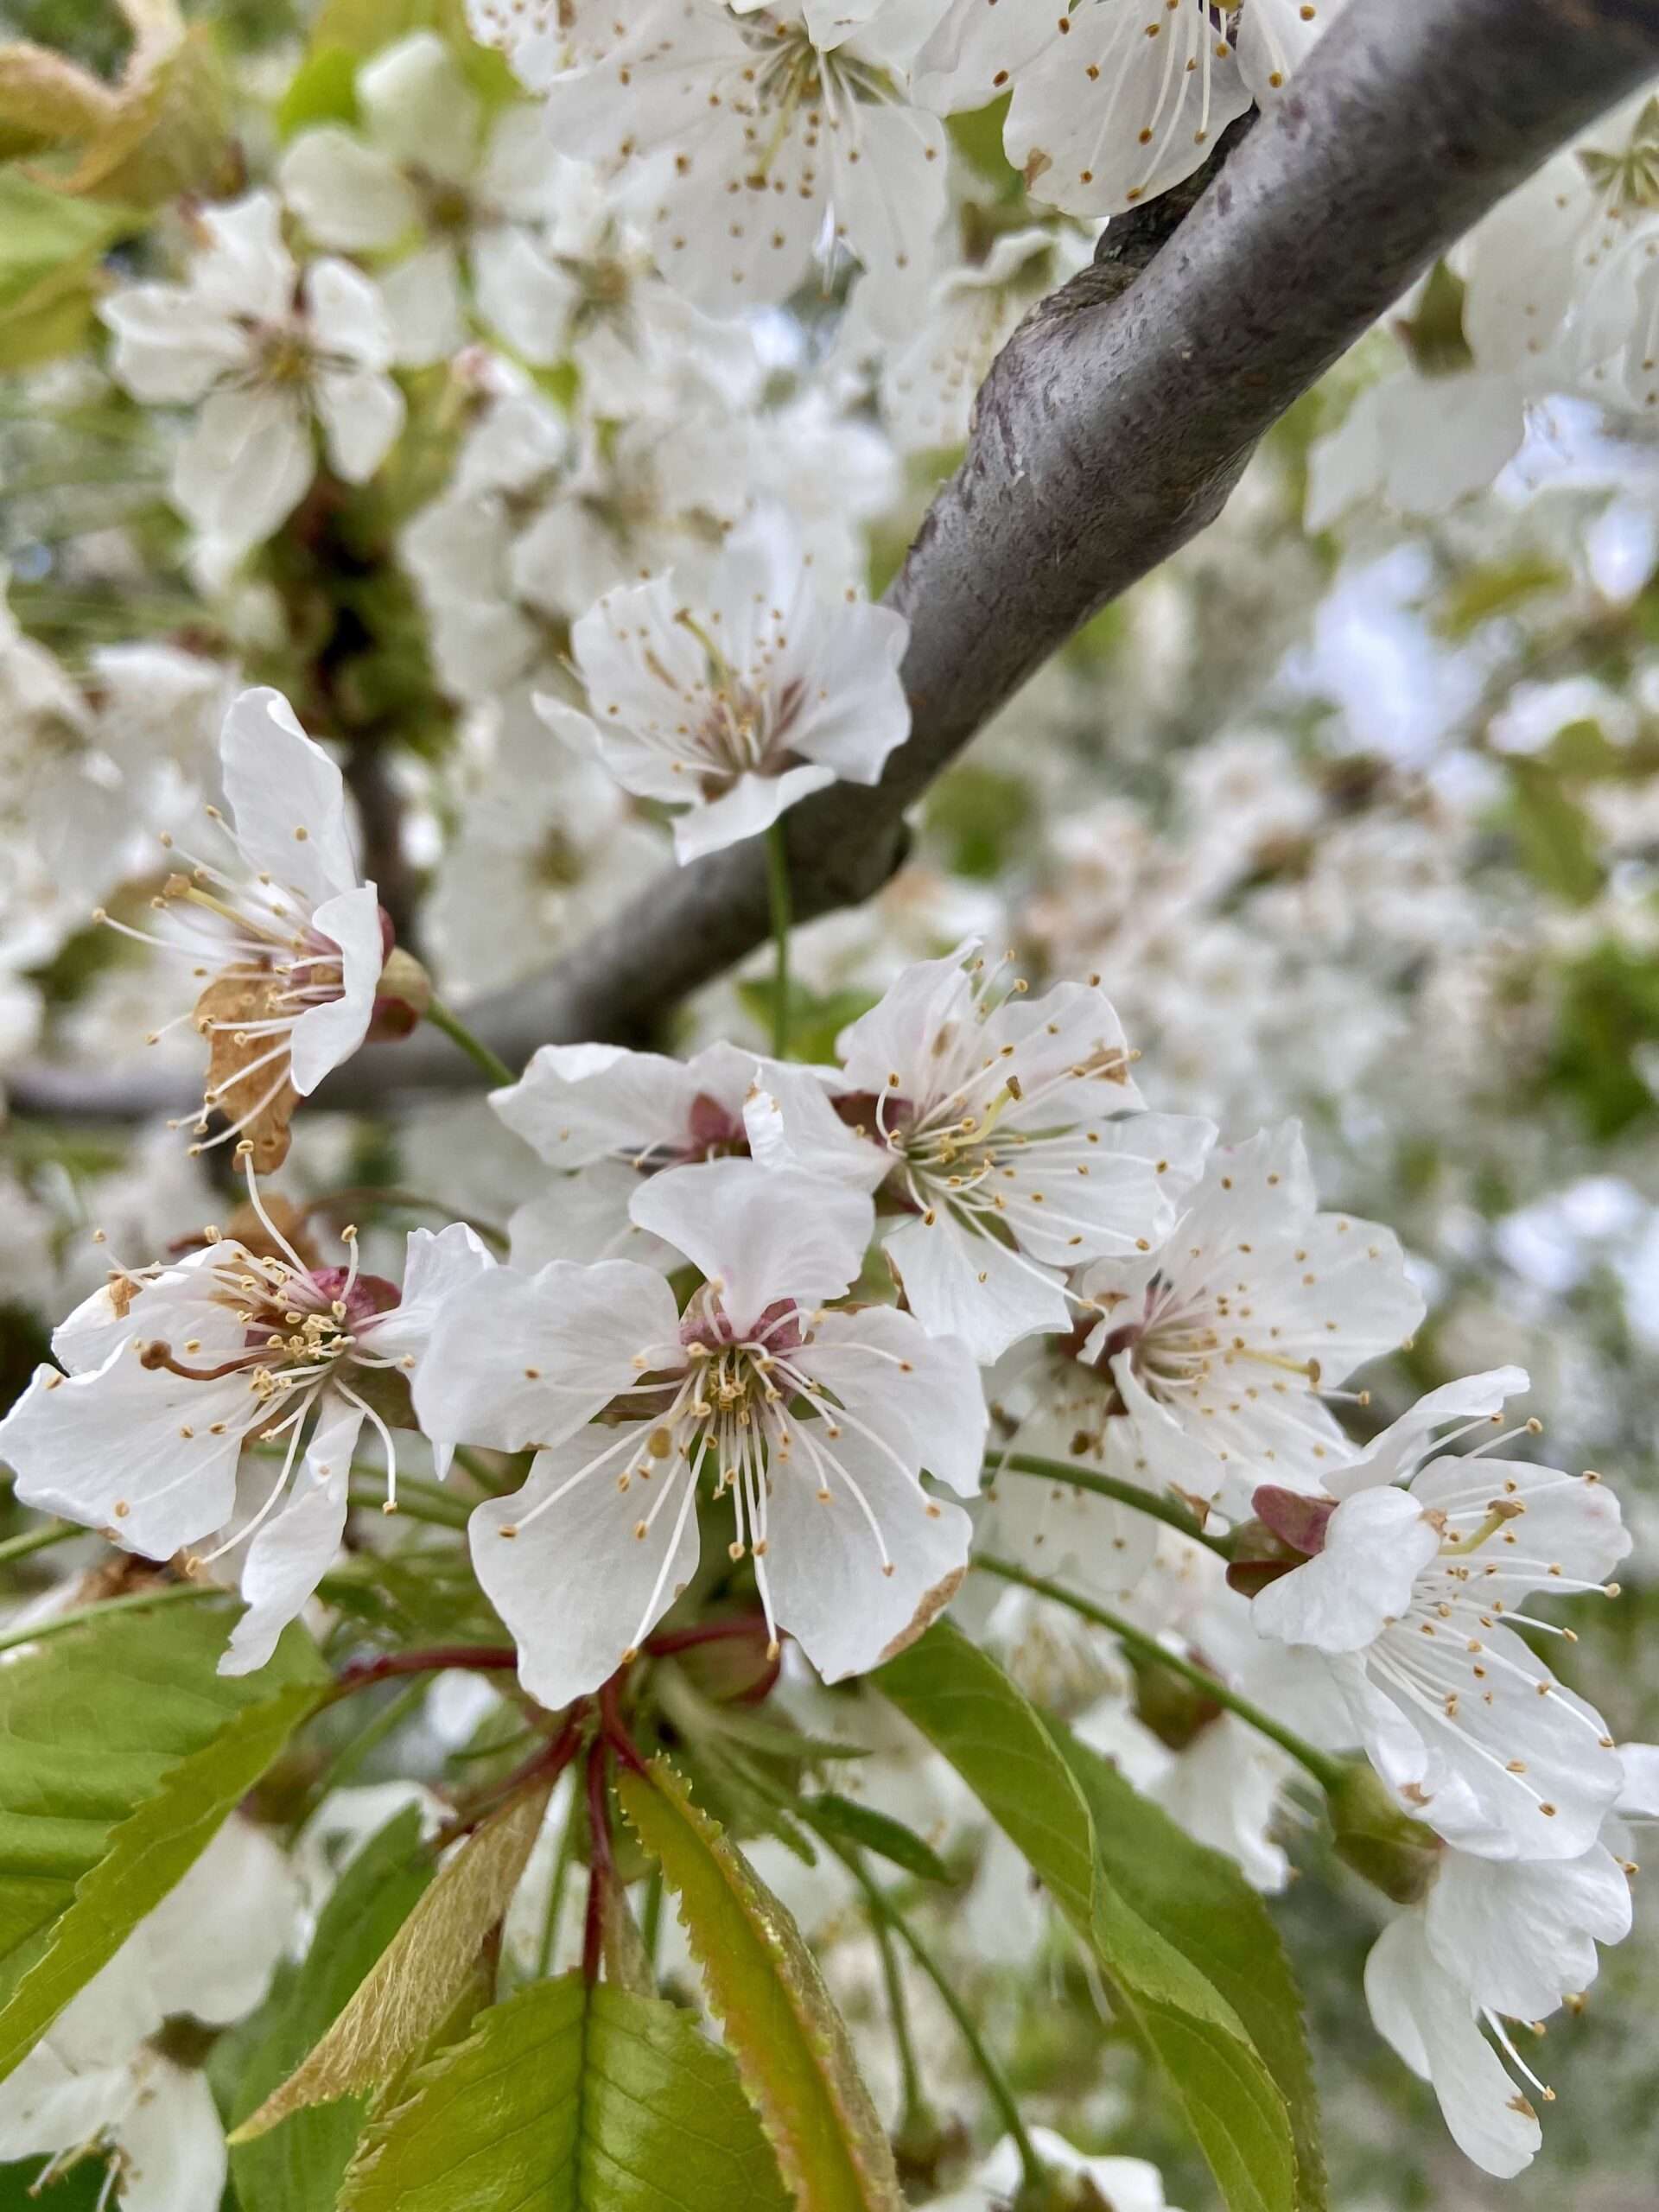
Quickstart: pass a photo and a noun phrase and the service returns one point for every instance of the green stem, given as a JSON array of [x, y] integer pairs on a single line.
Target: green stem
[[476, 1050], [1000, 2089], [170, 1593], [556, 1890], [782, 918], [916, 2105], [449, 1513], [37, 1540], [1327, 1772], [1157, 1504]]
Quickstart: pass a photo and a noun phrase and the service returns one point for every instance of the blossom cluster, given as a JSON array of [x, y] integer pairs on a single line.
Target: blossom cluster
[[499, 460]]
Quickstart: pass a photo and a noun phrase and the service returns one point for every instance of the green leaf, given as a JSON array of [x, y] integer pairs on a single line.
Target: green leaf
[[1557, 842], [1203, 1904], [816, 1019], [302, 2165], [1607, 1020], [763, 1986], [43, 231], [419, 1977], [968, 1710], [323, 89], [124, 1752], [571, 2100], [850, 1822]]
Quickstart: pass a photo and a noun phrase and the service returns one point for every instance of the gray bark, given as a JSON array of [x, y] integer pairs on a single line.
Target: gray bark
[[1112, 427]]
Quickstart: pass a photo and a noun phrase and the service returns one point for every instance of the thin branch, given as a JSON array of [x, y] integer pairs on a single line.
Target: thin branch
[[1112, 428]]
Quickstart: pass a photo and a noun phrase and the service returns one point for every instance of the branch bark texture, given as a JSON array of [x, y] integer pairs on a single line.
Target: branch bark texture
[[1112, 428]]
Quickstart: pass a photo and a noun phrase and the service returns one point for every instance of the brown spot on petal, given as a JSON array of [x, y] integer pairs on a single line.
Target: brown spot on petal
[[232, 999], [925, 1614]]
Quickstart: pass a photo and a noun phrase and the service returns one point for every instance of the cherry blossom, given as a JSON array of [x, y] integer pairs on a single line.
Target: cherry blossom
[[1114, 101], [999, 1114], [1488, 1943], [1222, 1345], [1126, 2185], [772, 130], [284, 943], [262, 350], [617, 1116], [815, 1421], [1417, 1565], [424, 175], [164, 1376], [744, 702]]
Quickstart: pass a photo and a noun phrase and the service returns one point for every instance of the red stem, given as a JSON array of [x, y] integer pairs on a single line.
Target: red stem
[[615, 1728], [600, 1864], [687, 1639], [546, 1765], [491, 1658]]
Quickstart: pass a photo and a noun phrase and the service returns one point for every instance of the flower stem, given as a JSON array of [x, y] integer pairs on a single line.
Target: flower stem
[[1000, 2089], [1326, 1772], [489, 1658], [916, 2112], [37, 1540], [165, 1594], [1157, 1504], [476, 1050], [782, 918]]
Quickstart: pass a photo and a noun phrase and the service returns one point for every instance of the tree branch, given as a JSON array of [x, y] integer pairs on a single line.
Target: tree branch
[[1113, 427]]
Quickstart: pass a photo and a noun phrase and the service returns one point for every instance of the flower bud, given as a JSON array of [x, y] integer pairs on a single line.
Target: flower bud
[[1289, 1528], [1395, 1853], [402, 997]]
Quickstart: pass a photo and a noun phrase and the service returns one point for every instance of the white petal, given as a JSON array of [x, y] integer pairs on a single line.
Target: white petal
[[958, 1284], [419, 108], [361, 412], [425, 308], [762, 1235], [294, 1549], [1394, 1454], [287, 797], [245, 270], [214, 1943], [922, 1393], [576, 1586], [246, 464], [1521, 1937], [752, 803], [131, 1449], [170, 349], [174, 2143], [524, 1360], [825, 1565], [577, 1104], [326, 1035], [791, 1123], [1429, 2020], [347, 194], [1375, 1546]]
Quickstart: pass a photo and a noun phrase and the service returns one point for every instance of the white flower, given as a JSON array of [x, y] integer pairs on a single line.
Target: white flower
[[777, 136], [1408, 1594], [1114, 100], [260, 351], [167, 1375], [816, 1423], [1124, 2184], [98, 2085], [617, 1116], [1220, 1343], [1491, 1942], [285, 946], [998, 1115], [425, 168], [747, 701]]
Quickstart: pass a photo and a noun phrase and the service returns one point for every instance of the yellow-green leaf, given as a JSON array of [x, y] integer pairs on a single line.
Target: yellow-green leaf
[[418, 1978], [567, 2099], [763, 1986]]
